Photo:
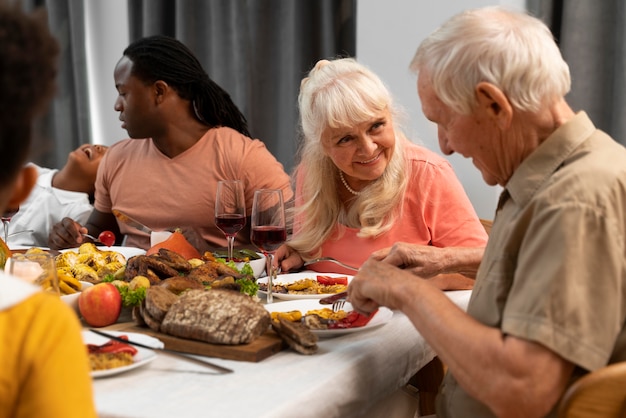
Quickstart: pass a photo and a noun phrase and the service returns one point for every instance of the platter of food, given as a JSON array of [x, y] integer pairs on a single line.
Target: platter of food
[[305, 285], [141, 357], [312, 307]]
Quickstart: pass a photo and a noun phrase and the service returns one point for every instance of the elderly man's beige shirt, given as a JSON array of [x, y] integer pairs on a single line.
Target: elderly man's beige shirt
[[554, 270]]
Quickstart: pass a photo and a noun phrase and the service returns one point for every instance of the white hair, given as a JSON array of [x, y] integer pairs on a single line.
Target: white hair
[[512, 50]]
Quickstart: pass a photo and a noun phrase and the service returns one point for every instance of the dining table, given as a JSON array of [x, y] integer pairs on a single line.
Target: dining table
[[349, 375]]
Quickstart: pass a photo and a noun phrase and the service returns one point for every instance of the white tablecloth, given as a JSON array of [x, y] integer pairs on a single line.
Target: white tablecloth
[[347, 377]]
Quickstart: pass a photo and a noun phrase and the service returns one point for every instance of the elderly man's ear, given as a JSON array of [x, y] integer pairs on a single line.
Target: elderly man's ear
[[23, 185], [495, 103]]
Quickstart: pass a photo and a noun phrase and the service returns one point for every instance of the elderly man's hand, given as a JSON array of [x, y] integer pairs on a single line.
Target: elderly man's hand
[[427, 261], [378, 284]]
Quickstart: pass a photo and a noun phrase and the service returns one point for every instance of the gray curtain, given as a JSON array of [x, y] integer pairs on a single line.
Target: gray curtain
[[257, 50], [67, 123], [592, 37]]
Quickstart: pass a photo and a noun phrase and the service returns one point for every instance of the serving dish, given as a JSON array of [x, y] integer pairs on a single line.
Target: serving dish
[[381, 317]]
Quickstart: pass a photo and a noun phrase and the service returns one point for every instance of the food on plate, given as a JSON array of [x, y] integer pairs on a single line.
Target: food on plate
[[68, 284], [100, 305], [111, 354], [292, 316], [179, 284], [177, 243], [309, 286], [216, 316], [174, 272], [239, 255], [325, 318], [89, 264], [296, 335]]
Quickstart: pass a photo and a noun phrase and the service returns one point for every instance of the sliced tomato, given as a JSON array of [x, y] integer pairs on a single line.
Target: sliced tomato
[[112, 346], [353, 320], [329, 281]]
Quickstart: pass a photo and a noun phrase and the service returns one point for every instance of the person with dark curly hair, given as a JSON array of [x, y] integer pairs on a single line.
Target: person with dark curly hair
[[187, 134], [45, 370]]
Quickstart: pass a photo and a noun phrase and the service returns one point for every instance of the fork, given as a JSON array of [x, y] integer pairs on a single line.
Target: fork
[[332, 260], [338, 304]]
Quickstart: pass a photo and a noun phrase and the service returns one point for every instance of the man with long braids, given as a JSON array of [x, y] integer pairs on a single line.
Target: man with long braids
[[187, 134]]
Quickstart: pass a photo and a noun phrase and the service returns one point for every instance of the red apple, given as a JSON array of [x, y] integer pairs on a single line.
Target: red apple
[[100, 305]]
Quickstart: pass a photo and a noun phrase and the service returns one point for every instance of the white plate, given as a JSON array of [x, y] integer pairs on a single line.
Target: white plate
[[294, 277], [127, 252], [143, 356], [381, 318]]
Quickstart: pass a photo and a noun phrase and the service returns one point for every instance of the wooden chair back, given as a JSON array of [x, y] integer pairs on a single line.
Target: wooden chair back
[[487, 225], [599, 394]]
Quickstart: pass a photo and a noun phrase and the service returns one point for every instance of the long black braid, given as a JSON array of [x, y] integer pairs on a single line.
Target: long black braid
[[165, 58]]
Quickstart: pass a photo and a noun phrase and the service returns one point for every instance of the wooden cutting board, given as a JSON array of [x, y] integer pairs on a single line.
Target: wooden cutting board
[[261, 348]]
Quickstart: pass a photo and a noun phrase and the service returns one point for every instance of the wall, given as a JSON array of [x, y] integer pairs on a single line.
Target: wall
[[106, 37], [388, 33]]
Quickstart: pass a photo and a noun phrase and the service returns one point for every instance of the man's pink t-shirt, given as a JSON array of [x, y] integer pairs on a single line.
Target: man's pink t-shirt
[[436, 211], [163, 193]]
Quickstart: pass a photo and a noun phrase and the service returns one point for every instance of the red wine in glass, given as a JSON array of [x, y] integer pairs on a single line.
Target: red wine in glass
[[230, 224], [230, 210], [268, 238], [268, 229]]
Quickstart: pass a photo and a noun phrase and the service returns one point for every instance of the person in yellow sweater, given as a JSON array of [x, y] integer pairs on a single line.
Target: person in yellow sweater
[[44, 369]]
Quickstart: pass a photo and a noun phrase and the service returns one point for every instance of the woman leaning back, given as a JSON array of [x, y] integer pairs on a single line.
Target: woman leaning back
[[362, 186]]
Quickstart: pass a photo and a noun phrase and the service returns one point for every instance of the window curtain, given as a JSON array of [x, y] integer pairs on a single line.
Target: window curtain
[[592, 38], [257, 50], [66, 125]]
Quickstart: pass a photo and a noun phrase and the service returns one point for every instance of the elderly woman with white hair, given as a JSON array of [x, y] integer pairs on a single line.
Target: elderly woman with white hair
[[362, 186]]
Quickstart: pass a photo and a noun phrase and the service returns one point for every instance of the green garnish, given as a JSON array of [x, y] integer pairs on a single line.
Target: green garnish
[[132, 297]]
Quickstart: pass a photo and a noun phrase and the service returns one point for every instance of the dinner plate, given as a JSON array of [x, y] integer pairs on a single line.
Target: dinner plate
[[143, 356], [127, 252], [380, 318], [294, 277]]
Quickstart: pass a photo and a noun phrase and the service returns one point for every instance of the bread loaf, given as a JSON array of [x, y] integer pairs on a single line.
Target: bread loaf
[[216, 316]]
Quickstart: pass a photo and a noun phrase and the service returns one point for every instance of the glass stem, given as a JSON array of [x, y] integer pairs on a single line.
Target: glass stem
[[271, 275], [5, 224], [231, 246]]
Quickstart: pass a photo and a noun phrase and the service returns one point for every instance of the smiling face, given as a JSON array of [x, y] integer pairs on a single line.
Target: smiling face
[[135, 101], [362, 151], [474, 136], [82, 164]]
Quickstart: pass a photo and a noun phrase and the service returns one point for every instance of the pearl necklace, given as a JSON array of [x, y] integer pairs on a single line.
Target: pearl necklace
[[345, 183]]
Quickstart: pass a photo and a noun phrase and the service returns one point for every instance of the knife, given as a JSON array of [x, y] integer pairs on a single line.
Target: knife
[[122, 217], [329, 300], [171, 353]]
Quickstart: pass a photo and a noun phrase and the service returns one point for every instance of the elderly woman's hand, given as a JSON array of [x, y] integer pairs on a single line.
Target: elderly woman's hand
[[287, 258]]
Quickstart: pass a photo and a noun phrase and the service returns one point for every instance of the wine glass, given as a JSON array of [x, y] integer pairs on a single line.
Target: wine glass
[[6, 218], [230, 210], [38, 268], [268, 228]]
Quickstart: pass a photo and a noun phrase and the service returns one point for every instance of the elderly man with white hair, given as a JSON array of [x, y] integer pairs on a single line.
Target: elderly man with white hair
[[549, 302]]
